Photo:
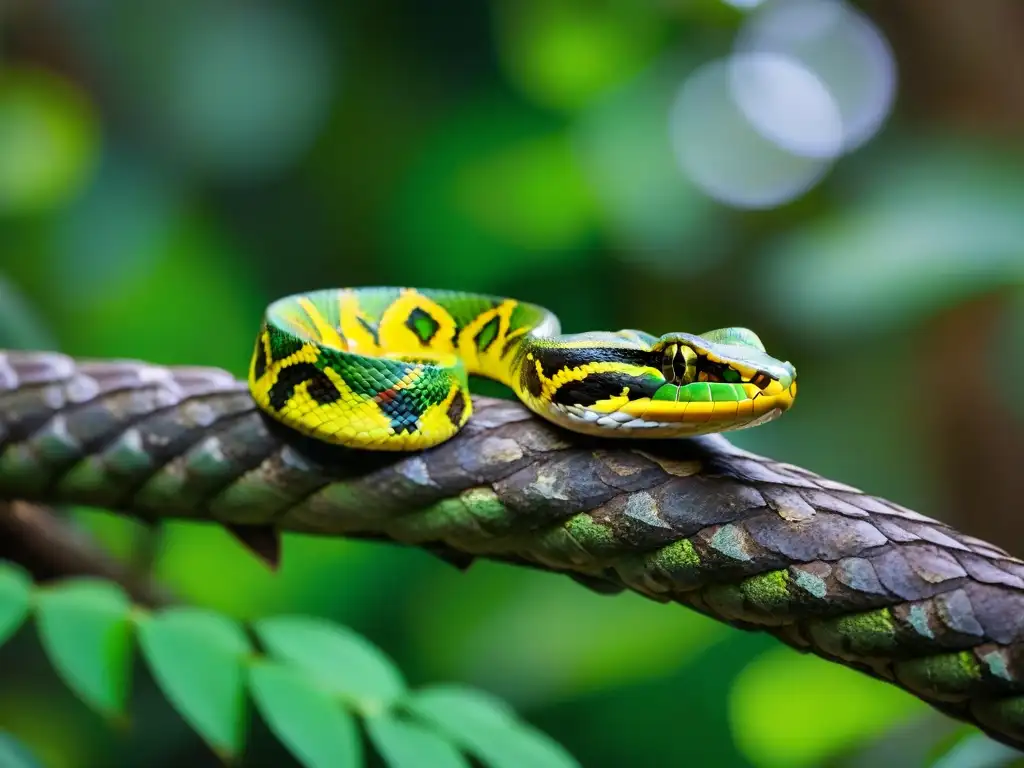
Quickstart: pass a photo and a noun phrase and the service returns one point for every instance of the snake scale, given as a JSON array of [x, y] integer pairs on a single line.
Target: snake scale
[[386, 368]]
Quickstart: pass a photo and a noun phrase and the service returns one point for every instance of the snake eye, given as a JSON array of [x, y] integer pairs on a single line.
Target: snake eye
[[668, 356], [679, 364]]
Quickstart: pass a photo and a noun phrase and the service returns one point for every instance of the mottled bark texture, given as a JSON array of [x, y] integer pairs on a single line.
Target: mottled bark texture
[[755, 543]]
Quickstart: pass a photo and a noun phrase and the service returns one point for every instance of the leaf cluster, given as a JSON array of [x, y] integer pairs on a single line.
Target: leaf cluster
[[323, 690]]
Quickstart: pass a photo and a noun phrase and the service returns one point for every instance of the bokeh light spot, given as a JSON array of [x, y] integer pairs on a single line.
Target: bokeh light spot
[[787, 104], [724, 154], [48, 140], [841, 46], [657, 214], [563, 53]]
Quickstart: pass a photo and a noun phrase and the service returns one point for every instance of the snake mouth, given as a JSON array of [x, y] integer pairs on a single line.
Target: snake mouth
[[670, 418]]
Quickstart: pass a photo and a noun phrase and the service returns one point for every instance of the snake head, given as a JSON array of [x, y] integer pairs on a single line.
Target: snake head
[[676, 385], [725, 355], [718, 381]]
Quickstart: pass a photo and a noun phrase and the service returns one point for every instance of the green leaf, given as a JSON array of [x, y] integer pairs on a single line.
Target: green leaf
[[403, 744], [196, 657], [84, 627], [14, 754], [15, 588], [457, 702], [488, 728], [313, 725], [337, 658]]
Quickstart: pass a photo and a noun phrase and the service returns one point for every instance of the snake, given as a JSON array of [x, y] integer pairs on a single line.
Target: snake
[[387, 369]]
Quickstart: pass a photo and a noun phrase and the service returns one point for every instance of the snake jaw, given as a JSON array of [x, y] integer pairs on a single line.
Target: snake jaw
[[667, 419], [615, 424]]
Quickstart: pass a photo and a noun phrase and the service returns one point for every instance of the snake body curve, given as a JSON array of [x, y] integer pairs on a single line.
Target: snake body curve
[[387, 369]]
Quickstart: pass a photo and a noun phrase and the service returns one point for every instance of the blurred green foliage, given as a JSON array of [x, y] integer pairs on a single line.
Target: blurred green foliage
[[312, 681], [168, 168]]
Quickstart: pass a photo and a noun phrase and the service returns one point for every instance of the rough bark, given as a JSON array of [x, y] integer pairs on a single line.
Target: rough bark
[[755, 543]]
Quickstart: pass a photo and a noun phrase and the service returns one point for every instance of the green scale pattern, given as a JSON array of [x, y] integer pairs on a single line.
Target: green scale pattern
[[703, 392], [755, 543], [462, 307], [367, 377]]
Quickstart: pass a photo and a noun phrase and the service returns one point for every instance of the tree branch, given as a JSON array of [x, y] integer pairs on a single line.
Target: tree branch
[[49, 548], [755, 543]]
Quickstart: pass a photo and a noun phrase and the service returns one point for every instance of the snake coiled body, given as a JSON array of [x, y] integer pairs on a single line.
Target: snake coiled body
[[387, 369]]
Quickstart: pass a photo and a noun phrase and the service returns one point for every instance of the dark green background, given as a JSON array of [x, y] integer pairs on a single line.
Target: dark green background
[[169, 167]]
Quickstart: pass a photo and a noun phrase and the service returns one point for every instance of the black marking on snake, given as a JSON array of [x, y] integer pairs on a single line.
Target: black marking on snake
[[601, 387], [510, 343], [530, 378], [422, 324], [487, 334], [259, 364], [679, 368], [320, 388], [761, 380], [457, 408], [555, 359]]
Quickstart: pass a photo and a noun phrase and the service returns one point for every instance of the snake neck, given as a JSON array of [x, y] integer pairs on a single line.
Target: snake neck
[[553, 374], [499, 343]]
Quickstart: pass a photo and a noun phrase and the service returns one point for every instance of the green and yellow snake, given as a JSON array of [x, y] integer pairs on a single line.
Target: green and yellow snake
[[387, 369]]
